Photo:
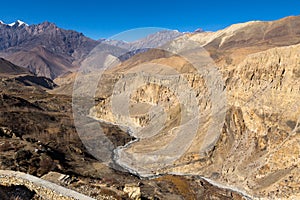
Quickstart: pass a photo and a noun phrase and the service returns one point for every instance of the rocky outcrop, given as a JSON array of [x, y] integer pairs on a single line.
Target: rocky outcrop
[[36, 81], [133, 191]]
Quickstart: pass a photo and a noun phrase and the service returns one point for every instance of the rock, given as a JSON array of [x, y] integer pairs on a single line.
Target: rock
[[59, 178], [133, 191], [22, 155], [6, 132]]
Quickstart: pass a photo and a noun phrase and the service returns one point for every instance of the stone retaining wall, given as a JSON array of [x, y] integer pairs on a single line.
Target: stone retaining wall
[[42, 187]]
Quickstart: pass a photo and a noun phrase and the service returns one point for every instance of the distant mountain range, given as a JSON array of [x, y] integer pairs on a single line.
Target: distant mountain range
[[47, 50], [44, 49], [16, 23], [50, 51]]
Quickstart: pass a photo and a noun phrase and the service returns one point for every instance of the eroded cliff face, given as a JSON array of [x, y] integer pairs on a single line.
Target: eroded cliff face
[[265, 157], [257, 148]]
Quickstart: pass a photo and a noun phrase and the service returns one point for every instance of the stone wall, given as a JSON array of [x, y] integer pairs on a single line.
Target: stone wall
[[45, 189]]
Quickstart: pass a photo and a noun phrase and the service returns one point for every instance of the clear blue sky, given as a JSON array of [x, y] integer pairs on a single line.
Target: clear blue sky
[[102, 19]]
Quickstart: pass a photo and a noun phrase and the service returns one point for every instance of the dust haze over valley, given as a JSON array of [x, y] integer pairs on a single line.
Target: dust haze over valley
[[173, 115]]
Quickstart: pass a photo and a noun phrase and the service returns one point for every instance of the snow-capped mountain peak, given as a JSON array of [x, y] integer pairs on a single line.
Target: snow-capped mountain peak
[[18, 23]]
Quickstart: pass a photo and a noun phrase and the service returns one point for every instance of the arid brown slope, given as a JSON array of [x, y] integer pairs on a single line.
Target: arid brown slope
[[231, 45], [42, 62], [8, 68]]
